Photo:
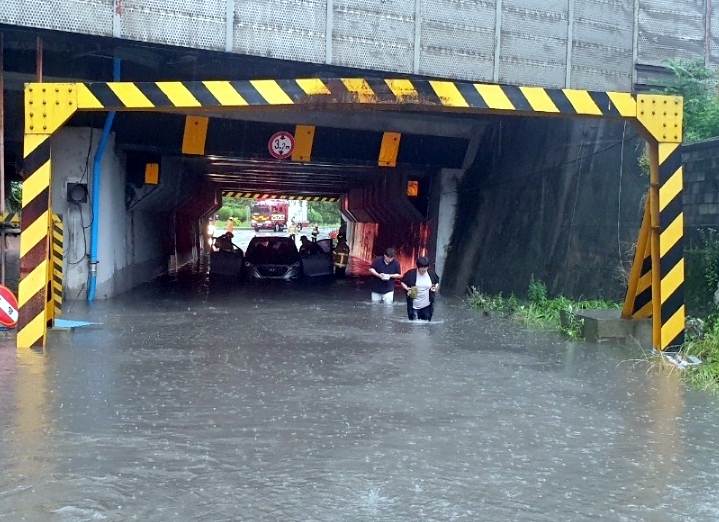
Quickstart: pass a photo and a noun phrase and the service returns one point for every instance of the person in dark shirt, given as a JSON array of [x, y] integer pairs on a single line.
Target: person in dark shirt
[[385, 270], [421, 285]]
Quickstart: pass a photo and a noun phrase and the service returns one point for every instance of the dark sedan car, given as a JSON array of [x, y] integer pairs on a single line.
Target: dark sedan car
[[272, 257]]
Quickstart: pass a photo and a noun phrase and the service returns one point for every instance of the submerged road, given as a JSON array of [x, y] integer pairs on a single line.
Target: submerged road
[[204, 401]]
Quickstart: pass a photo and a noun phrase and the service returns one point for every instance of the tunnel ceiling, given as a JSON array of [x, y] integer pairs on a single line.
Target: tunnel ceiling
[[237, 156], [345, 147]]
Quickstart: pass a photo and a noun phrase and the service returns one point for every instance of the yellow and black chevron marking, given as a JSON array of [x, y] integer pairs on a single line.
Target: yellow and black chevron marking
[[481, 97], [10, 218], [259, 195], [58, 238], [34, 243]]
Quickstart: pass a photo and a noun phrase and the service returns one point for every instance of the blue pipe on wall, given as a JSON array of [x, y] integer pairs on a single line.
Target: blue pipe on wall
[[96, 171]]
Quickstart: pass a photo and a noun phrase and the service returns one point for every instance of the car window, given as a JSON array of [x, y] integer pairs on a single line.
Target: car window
[[325, 245], [271, 249]]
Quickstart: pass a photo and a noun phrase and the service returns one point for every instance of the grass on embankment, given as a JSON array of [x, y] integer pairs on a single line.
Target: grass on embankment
[[703, 342], [538, 310], [541, 312]]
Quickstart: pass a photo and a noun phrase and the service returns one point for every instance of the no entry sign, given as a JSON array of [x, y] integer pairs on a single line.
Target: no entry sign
[[8, 308], [281, 145]]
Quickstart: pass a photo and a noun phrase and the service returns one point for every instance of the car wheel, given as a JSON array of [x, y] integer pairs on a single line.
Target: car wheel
[[277, 227]]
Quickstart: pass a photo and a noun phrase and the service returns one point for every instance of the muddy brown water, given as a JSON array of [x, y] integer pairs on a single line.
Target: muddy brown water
[[200, 400]]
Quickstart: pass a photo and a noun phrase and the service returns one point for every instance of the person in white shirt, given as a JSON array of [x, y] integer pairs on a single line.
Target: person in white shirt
[[421, 285]]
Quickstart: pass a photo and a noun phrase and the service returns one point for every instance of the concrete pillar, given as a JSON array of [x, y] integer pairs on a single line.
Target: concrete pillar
[[73, 153], [449, 180]]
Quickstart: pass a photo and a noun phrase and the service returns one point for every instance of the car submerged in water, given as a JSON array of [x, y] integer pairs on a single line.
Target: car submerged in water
[[226, 258], [272, 257], [317, 261], [277, 257]]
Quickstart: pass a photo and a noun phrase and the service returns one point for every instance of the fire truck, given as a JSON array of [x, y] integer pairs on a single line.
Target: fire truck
[[269, 214], [275, 214]]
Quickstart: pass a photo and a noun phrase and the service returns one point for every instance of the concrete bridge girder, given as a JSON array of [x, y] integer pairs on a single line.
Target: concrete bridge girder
[[48, 106]]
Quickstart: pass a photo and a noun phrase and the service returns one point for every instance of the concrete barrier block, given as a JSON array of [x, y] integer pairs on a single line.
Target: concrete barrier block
[[605, 324], [642, 334]]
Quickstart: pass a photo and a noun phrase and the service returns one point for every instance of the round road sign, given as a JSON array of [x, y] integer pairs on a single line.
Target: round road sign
[[281, 145], [8, 308]]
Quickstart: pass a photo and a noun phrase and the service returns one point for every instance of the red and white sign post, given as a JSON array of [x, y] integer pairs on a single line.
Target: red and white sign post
[[281, 145], [8, 308]]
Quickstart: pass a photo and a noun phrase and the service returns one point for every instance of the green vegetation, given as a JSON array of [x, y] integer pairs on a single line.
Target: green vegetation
[[237, 208], [321, 212], [702, 272], [13, 202], [702, 335], [698, 85], [538, 310], [703, 342]]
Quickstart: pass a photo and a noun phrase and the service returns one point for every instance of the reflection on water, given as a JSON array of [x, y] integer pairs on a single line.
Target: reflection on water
[[201, 399]]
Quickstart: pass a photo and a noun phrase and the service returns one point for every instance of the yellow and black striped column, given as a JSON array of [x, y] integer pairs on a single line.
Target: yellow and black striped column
[[56, 268], [34, 242], [657, 277], [668, 241], [47, 107]]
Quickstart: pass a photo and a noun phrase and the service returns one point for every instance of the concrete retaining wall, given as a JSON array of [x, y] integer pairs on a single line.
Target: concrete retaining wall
[[567, 214]]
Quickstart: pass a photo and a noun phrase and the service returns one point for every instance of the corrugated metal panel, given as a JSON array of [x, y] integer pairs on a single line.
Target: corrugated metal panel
[[182, 23], [533, 45], [714, 36], [670, 29], [75, 16], [457, 39], [603, 36], [281, 29], [374, 35]]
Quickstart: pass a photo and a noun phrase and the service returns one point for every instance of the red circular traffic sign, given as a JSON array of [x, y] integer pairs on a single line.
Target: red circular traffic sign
[[281, 145], [8, 308]]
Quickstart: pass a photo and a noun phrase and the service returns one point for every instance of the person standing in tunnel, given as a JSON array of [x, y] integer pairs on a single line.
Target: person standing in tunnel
[[385, 270], [315, 232], [340, 256], [230, 226], [292, 229], [421, 285]]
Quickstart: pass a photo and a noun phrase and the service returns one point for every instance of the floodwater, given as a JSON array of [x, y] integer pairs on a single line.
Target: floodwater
[[192, 401]]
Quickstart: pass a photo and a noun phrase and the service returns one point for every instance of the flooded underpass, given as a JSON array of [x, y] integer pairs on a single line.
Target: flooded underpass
[[224, 402]]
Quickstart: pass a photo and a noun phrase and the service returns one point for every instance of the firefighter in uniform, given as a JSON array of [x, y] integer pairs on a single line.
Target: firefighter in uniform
[[341, 256]]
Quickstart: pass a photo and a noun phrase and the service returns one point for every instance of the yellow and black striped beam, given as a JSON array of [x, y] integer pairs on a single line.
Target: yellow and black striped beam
[[260, 195], [477, 97]]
